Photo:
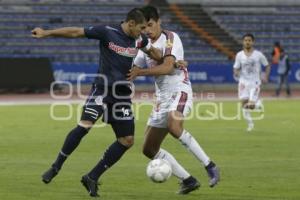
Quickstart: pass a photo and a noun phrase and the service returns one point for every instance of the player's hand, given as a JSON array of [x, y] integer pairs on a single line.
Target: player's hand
[[133, 73], [38, 33], [236, 75], [181, 64]]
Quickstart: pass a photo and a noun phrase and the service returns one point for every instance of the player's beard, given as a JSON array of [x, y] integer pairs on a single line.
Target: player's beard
[[248, 47]]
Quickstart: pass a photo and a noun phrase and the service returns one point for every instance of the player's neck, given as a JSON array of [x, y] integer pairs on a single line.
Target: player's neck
[[157, 36], [248, 51]]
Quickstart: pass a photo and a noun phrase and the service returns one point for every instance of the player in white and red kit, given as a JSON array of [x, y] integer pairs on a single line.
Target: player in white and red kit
[[247, 68], [174, 102]]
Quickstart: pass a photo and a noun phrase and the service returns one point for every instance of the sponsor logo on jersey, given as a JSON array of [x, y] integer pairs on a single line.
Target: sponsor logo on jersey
[[128, 52]]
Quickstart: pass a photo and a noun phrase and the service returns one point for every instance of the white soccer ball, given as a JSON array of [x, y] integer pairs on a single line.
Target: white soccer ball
[[159, 170]]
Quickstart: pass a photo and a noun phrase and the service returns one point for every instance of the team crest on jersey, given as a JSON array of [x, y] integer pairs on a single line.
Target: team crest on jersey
[[169, 44]]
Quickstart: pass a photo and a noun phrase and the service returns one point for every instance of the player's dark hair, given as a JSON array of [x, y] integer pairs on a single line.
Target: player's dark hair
[[249, 35], [277, 44], [136, 15], [150, 12]]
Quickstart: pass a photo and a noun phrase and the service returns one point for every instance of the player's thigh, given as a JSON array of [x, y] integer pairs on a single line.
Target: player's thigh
[[254, 94], [183, 102], [178, 110], [123, 128], [158, 118], [93, 107], [154, 137], [118, 112], [243, 91], [244, 102], [175, 123], [124, 132]]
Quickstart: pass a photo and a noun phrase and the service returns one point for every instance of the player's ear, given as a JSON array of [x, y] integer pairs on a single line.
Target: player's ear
[[131, 23], [159, 22]]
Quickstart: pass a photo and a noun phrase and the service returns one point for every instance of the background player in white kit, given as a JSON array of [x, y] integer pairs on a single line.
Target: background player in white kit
[[174, 102], [247, 68]]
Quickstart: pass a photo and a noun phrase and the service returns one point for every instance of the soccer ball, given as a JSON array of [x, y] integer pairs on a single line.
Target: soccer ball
[[159, 170]]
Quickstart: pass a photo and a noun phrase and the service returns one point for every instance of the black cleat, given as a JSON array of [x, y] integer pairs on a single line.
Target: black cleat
[[90, 185], [213, 173], [49, 175], [188, 185]]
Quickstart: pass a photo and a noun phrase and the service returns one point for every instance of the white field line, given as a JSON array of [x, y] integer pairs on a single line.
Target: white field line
[[50, 101]]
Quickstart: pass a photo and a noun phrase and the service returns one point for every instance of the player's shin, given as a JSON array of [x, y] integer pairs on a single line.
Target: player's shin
[[110, 157], [193, 146], [177, 169], [71, 142], [259, 105], [247, 116]]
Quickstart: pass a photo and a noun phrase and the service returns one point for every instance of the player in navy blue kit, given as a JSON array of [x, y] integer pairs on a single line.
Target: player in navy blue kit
[[109, 98]]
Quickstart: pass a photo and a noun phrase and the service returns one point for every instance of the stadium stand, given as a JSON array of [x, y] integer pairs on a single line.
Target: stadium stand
[[269, 21], [17, 18], [223, 22]]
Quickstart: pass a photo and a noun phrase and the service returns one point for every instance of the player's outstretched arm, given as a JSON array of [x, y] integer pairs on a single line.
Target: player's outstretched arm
[[167, 67], [67, 32]]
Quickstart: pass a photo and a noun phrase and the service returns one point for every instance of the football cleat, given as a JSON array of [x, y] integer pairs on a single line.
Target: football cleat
[[49, 175], [188, 185], [90, 185], [213, 174]]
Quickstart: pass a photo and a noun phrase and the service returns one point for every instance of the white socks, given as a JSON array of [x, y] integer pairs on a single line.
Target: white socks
[[177, 169], [193, 146], [259, 105], [247, 116]]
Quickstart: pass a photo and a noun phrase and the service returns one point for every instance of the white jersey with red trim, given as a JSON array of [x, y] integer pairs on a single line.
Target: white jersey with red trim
[[250, 66], [170, 44]]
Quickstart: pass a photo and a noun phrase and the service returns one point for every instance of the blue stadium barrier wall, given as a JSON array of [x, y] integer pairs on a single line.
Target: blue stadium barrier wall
[[198, 73]]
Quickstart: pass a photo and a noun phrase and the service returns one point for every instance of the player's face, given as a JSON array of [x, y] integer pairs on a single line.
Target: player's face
[[136, 29], [248, 42], [153, 29]]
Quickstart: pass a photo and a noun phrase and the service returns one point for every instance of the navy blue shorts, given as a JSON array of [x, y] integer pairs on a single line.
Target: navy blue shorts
[[114, 111]]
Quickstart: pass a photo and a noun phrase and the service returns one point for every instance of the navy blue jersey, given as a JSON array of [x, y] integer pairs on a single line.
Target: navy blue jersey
[[117, 51]]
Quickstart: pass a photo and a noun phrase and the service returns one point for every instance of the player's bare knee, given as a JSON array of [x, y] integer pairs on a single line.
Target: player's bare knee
[[252, 106], [175, 123], [149, 152], [86, 124], [127, 141], [175, 129]]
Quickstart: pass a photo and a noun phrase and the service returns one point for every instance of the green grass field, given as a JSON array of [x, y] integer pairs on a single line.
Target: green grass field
[[261, 165]]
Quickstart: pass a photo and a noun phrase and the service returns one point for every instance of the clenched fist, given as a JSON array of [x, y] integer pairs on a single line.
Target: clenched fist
[[38, 33]]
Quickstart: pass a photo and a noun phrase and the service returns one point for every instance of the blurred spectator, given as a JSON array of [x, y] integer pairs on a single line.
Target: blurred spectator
[[283, 71], [276, 53]]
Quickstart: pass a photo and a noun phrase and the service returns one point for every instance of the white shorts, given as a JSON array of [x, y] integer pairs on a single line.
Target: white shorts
[[249, 91], [181, 100]]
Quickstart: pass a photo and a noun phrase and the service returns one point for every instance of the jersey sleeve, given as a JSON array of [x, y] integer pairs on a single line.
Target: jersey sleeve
[[174, 47], [140, 60], [237, 62], [263, 60], [95, 32]]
